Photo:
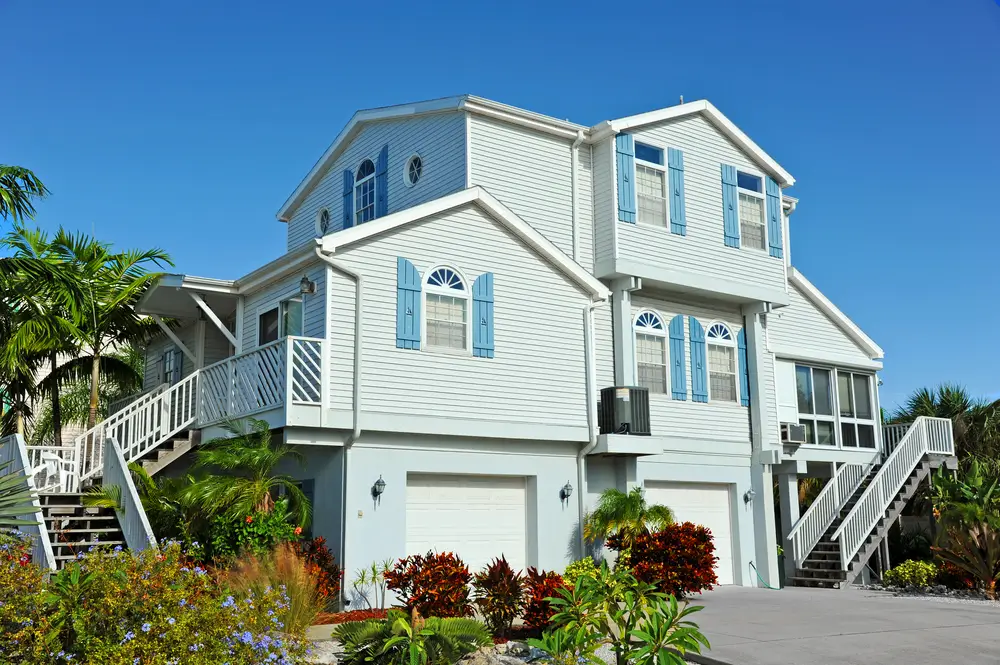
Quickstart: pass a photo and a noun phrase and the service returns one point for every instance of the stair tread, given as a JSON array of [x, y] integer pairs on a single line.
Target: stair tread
[[86, 543], [101, 530]]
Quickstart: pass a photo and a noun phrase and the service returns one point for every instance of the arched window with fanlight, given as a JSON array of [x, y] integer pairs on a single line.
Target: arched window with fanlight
[[446, 310], [721, 364], [364, 192], [651, 352]]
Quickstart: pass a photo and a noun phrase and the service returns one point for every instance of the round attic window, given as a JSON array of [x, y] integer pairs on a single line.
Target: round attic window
[[413, 170], [323, 222]]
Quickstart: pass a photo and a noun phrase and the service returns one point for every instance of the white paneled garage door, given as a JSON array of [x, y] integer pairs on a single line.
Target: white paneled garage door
[[477, 517], [705, 504]]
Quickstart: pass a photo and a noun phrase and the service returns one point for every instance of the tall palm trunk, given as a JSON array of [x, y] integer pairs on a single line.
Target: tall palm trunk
[[95, 379], [56, 407]]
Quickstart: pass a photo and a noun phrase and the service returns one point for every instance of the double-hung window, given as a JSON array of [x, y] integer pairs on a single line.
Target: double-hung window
[[651, 185], [857, 411], [721, 364], [446, 304], [364, 193], [651, 352], [814, 388], [281, 321], [751, 194]]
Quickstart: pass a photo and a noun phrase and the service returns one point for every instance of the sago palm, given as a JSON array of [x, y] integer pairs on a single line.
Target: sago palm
[[625, 514], [241, 478]]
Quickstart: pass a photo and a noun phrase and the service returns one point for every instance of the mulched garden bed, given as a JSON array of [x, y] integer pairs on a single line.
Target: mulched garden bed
[[329, 619]]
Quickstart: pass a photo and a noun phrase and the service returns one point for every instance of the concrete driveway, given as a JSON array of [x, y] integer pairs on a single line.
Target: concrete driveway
[[799, 626]]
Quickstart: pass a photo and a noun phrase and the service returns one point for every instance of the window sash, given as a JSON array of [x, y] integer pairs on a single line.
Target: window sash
[[292, 317], [268, 327], [651, 362], [842, 425], [364, 200], [722, 373], [753, 231], [651, 195], [447, 322]]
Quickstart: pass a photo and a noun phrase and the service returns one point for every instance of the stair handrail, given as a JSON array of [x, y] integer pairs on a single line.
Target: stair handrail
[[13, 450], [926, 435], [131, 514], [809, 528]]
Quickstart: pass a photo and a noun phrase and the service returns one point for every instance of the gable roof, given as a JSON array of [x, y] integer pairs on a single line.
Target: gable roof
[[830, 310], [488, 203], [704, 108]]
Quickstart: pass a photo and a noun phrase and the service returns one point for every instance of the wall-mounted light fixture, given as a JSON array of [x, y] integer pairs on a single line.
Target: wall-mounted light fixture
[[307, 286], [377, 489], [749, 495], [566, 492]]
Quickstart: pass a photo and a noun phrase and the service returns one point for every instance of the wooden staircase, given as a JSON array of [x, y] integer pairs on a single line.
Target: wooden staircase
[[156, 460], [73, 528]]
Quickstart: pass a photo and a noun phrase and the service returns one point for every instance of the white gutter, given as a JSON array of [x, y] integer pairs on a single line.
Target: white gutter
[[573, 161], [581, 457]]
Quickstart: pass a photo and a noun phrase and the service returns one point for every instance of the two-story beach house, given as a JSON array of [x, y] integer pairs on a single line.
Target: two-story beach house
[[462, 282]]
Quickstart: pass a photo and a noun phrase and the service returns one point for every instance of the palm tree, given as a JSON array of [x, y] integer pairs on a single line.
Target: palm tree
[[976, 422], [247, 482], [625, 514], [18, 187], [15, 499]]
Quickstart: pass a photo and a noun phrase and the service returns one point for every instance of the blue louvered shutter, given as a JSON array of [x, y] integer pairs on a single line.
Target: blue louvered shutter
[[699, 364], [675, 167], [482, 316], [348, 199], [407, 305], [730, 206], [382, 183], [741, 342], [774, 235], [678, 361], [625, 149]]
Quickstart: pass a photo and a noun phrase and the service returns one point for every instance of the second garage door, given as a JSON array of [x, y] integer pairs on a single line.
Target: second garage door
[[705, 504], [476, 517]]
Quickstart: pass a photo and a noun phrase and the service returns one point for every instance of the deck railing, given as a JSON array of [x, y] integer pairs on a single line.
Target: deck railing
[[891, 436], [825, 508], [925, 436], [14, 452]]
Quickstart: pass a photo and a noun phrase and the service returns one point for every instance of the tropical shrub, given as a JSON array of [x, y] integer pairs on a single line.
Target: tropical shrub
[[679, 559], [321, 564], [583, 567], [281, 568], [432, 584], [954, 577], [541, 586], [116, 607], [499, 594], [626, 515], [911, 573], [21, 597], [401, 640], [371, 579], [256, 533]]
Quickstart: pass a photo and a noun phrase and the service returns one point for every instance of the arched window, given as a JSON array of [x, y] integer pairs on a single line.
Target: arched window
[[446, 308], [364, 193], [651, 352], [721, 364]]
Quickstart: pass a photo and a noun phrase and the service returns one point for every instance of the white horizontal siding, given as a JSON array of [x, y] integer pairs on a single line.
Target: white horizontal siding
[[770, 428], [703, 249], [711, 421], [439, 139], [314, 304], [802, 327], [538, 373], [585, 208], [604, 336], [530, 172], [217, 347], [604, 206]]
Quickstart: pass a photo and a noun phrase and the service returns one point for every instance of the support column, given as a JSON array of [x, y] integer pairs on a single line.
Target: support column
[[621, 315], [627, 473], [788, 496]]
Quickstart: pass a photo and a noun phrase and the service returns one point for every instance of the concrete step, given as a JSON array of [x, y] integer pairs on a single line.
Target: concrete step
[[814, 582], [820, 573]]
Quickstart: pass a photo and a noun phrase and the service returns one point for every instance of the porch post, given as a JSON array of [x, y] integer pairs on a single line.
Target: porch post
[[621, 316], [788, 497]]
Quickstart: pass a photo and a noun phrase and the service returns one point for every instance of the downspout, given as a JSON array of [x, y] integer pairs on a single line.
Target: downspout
[[581, 457], [356, 431], [573, 205]]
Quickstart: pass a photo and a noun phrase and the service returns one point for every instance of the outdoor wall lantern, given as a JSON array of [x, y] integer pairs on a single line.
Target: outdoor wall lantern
[[749, 495], [307, 286], [377, 489], [566, 492]]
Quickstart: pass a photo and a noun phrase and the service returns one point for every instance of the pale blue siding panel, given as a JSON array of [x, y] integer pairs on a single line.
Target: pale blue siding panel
[[675, 166], [699, 363], [438, 138], [625, 151], [774, 235], [741, 343], [730, 207], [678, 359]]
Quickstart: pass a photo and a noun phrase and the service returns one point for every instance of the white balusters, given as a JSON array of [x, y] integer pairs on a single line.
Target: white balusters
[[824, 509]]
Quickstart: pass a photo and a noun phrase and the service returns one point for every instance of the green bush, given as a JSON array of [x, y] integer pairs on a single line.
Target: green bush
[[257, 534], [115, 607], [911, 573], [583, 567], [392, 640]]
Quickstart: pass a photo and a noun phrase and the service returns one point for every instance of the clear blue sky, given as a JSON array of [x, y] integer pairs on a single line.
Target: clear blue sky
[[185, 125]]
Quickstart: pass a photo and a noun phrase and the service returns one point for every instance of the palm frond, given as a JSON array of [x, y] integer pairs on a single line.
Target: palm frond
[[19, 187]]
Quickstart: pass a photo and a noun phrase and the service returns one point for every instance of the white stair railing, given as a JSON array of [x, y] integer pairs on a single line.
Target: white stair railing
[[824, 509], [15, 453], [132, 516], [925, 436]]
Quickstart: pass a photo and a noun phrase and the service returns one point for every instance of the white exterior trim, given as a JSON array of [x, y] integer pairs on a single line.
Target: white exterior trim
[[491, 205], [465, 294], [824, 305]]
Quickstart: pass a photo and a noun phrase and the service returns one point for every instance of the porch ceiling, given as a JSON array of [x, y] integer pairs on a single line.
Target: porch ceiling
[[171, 297]]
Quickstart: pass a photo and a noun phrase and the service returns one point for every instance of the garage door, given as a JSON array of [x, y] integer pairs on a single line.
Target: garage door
[[477, 517], [705, 504]]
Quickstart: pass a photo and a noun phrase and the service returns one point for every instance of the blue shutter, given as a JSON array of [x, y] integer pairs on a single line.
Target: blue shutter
[[348, 199], [699, 365], [730, 206], [678, 362], [407, 305], [382, 183], [625, 147], [675, 167], [482, 316], [774, 239], [741, 341]]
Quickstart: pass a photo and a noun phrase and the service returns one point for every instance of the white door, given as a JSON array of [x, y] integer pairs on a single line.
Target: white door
[[709, 505], [476, 517]]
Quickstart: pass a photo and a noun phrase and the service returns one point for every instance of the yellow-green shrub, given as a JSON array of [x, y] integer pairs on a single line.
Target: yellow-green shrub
[[911, 573], [585, 567]]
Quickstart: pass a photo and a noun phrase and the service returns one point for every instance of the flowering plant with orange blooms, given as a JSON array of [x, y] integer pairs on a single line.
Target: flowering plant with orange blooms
[[256, 533]]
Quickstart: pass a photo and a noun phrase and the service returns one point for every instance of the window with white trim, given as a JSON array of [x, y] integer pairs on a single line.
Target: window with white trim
[[364, 193], [650, 185], [814, 389], [753, 233], [721, 364], [651, 352], [171, 363], [323, 222], [446, 311], [284, 319], [857, 409]]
